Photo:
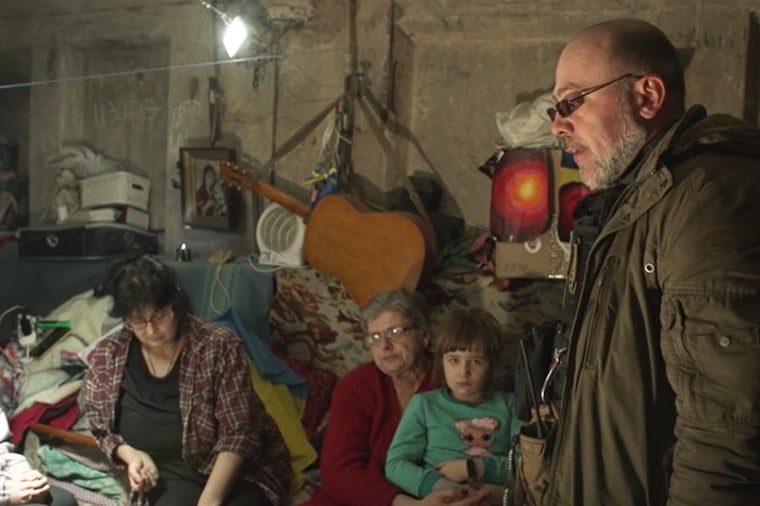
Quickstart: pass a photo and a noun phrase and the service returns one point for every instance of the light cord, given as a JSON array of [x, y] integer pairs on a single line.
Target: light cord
[[218, 282], [8, 311]]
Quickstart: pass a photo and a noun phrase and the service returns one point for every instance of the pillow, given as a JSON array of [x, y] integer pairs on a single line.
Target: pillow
[[314, 320]]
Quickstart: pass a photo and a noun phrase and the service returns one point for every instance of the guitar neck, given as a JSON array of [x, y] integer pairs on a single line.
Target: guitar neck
[[285, 200], [232, 175]]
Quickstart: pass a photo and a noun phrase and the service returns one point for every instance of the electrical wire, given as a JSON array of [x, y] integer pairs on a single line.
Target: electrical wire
[[269, 269], [2, 316], [259, 268], [218, 282], [8, 311], [148, 70], [327, 139]]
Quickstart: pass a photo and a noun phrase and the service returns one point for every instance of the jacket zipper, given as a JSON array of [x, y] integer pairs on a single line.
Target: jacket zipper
[[572, 351], [571, 355], [588, 353]]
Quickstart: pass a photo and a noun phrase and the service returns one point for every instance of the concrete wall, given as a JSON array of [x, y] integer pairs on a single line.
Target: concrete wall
[[441, 68]]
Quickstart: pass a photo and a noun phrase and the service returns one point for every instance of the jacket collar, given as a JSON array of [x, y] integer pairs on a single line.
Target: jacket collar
[[651, 176]]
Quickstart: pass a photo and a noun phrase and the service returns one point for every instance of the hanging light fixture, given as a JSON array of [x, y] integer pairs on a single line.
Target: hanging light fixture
[[236, 32]]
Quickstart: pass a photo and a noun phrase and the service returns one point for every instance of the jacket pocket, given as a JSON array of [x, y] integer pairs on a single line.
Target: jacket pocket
[[726, 383], [679, 365], [600, 311], [532, 467]]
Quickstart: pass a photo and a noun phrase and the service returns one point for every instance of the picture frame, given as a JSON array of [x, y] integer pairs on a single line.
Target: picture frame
[[206, 202]]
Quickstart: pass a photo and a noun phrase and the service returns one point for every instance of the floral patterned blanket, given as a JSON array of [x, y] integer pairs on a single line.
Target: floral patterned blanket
[[314, 320]]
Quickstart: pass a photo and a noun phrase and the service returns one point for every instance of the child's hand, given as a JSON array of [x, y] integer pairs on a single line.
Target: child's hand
[[455, 470]]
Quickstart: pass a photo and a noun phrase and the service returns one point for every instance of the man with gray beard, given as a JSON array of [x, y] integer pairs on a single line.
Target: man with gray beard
[[661, 402]]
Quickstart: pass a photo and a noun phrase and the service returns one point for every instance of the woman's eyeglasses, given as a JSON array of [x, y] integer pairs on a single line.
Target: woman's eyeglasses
[[159, 318], [566, 107], [390, 334]]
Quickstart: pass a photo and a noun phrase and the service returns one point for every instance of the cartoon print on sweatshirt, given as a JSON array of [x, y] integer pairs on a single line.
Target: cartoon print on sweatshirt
[[477, 434]]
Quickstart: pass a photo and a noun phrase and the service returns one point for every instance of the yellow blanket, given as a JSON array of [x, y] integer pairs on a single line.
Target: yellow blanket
[[286, 411]]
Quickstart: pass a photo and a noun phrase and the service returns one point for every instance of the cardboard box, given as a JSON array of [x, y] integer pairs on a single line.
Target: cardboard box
[[115, 188], [133, 216], [117, 214], [545, 256]]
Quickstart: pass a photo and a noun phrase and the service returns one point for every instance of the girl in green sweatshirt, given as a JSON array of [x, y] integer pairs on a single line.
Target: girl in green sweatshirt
[[458, 435]]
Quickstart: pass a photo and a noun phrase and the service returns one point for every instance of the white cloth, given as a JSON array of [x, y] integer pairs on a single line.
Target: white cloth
[[44, 379], [11, 463], [527, 125]]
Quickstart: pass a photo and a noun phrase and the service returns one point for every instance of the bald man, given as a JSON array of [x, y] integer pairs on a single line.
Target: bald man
[[661, 405]]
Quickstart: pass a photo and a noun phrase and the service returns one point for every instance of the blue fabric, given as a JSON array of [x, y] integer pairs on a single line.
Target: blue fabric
[[269, 365]]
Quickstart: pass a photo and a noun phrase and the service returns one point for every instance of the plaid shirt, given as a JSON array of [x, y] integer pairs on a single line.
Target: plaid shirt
[[11, 464], [220, 410]]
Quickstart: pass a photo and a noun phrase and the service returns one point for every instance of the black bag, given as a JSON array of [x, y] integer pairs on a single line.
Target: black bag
[[547, 342], [90, 240]]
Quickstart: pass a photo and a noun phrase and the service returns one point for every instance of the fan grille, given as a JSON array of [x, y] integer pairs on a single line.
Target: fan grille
[[280, 235], [278, 232]]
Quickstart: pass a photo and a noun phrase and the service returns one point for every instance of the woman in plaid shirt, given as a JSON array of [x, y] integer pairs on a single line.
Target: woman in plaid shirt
[[170, 398]]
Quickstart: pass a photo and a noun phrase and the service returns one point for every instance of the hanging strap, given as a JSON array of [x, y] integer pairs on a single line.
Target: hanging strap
[[395, 162], [302, 132], [397, 128]]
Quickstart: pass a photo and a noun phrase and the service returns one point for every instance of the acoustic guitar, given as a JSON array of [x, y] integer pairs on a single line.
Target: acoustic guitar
[[368, 251]]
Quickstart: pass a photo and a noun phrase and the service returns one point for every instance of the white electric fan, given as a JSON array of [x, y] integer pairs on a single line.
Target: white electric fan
[[280, 235]]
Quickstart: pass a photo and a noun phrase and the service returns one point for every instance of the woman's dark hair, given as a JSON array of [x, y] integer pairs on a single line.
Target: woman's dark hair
[[144, 281], [466, 330]]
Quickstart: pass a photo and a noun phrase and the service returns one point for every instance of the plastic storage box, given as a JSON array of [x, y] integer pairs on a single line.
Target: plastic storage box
[[115, 188]]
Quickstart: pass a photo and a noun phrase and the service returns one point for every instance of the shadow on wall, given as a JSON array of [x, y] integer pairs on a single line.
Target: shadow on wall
[[752, 74]]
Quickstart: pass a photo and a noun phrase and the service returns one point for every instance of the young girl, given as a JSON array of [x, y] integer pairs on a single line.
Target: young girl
[[457, 435]]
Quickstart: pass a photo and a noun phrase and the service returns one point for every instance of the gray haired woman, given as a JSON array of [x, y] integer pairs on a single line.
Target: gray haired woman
[[367, 404]]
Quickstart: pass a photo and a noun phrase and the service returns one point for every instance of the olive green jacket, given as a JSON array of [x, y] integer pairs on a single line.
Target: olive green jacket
[[662, 401]]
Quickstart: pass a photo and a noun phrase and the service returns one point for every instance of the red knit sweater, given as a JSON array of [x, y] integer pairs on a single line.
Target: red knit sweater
[[364, 414]]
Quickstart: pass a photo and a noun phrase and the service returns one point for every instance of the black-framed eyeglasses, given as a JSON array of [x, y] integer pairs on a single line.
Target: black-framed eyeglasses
[[567, 106], [159, 318], [390, 334]]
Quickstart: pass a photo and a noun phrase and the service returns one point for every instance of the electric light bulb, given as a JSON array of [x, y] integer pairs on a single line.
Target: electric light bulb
[[234, 36]]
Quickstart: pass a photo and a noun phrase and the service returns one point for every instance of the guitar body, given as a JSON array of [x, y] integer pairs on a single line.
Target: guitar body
[[369, 252]]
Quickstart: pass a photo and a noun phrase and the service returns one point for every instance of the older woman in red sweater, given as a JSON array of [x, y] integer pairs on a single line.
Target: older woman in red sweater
[[367, 404]]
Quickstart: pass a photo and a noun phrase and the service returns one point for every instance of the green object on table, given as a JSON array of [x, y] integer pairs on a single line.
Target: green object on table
[[54, 324]]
